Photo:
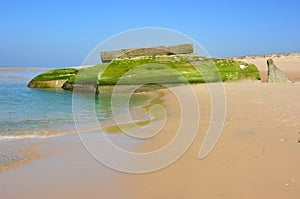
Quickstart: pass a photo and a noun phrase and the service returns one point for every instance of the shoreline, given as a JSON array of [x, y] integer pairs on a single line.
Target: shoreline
[[261, 129], [107, 128], [28, 154], [111, 128]]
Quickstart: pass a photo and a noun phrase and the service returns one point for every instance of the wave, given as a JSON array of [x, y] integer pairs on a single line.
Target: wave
[[27, 136]]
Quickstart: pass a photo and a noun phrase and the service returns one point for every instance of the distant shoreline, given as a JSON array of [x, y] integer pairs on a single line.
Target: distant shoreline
[[22, 68], [38, 69]]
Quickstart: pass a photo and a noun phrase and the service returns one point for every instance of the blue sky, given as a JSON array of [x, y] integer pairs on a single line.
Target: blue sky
[[61, 33]]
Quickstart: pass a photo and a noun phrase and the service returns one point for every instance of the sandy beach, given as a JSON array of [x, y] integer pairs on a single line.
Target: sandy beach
[[289, 65], [257, 155]]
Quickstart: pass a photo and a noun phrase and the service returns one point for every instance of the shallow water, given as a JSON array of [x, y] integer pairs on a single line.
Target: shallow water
[[29, 112], [27, 115]]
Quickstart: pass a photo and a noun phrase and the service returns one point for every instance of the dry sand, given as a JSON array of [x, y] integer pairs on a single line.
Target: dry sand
[[257, 155], [289, 65]]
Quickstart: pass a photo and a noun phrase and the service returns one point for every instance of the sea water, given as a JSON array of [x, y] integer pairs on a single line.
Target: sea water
[[28, 114]]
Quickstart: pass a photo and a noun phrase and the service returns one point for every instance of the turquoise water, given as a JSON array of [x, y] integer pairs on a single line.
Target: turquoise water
[[29, 112], [28, 115]]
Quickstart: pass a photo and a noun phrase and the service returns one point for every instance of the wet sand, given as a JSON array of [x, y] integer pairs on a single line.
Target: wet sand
[[257, 155], [17, 157]]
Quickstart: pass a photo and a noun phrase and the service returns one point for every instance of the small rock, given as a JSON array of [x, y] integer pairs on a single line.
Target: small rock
[[275, 74], [242, 66], [282, 140]]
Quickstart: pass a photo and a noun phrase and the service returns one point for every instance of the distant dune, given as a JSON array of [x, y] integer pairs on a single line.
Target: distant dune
[[289, 63], [280, 55]]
